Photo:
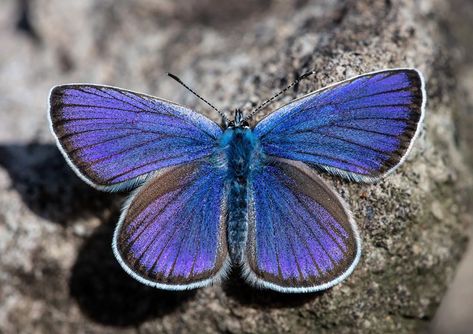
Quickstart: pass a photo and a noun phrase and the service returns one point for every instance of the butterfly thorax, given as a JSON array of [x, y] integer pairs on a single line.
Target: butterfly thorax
[[243, 155]]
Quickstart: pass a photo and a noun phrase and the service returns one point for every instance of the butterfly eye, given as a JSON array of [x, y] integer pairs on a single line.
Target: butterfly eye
[[245, 124], [231, 124]]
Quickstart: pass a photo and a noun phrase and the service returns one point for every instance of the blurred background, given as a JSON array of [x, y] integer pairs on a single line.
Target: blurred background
[[455, 314], [55, 231]]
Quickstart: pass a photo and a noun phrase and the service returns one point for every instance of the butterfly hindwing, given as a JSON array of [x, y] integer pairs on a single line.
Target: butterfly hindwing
[[172, 233], [114, 138], [301, 236], [361, 128]]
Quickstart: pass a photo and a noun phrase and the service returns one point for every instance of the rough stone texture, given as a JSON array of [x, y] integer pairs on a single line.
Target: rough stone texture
[[57, 271]]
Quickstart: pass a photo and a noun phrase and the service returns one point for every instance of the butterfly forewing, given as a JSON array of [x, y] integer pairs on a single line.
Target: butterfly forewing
[[172, 233], [360, 128], [301, 236], [114, 138]]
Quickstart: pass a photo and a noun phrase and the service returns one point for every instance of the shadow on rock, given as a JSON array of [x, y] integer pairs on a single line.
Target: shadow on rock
[[238, 289], [48, 185], [108, 295]]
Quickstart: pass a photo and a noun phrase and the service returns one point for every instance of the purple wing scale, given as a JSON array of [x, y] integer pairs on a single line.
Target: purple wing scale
[[114, 138], [301, 236], [172, 234], [361, 128]]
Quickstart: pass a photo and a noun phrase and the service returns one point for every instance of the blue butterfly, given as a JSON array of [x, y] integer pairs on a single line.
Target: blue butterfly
[[210, 197]]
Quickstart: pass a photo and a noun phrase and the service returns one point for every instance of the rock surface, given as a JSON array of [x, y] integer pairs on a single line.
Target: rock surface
[[57, 271]]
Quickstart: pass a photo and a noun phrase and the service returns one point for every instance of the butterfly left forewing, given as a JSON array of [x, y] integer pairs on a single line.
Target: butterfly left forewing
[[172, 233], [114, 138], [301, 236]]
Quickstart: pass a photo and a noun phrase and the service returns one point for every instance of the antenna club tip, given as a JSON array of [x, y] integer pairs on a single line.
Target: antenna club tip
[[305, 75], [193, 92]]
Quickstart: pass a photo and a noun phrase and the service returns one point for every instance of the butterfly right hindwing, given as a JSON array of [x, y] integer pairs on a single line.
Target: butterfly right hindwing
[[301, 236]]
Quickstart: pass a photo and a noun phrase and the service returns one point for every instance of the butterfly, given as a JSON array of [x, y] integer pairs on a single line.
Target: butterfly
[[208, 197]]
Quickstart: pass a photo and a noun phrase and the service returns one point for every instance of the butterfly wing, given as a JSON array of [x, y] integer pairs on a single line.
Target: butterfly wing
[[301, 236], [361, 128], [114, 138], [172, 233]]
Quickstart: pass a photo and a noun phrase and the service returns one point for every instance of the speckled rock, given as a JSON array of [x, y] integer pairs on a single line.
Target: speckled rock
[[57, 271]]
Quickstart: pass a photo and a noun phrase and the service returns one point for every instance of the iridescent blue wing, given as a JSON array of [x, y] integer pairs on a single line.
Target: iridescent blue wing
[[172, 233], [114, 138], [301, 236], [361, 128]]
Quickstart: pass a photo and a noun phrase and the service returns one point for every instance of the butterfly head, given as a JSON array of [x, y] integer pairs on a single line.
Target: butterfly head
[[238, 121]]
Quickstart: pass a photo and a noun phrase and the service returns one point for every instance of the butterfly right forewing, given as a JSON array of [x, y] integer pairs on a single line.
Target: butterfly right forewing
[[361, 128]]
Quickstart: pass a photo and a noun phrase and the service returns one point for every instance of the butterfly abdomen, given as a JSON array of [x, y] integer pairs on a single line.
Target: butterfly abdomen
[[242, 153]]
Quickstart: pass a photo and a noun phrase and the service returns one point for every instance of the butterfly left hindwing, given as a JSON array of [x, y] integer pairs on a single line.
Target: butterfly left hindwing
[[172, 233]]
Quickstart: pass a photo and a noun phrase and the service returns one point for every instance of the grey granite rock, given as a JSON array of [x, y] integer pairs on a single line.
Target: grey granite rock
[[57, 271]]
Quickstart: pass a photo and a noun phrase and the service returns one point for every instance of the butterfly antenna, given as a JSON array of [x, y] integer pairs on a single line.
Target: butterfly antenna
[[268, 101], [200, 97]]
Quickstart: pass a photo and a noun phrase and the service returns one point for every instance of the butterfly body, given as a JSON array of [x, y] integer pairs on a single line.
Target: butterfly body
[[209, 196], [243, 157]]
